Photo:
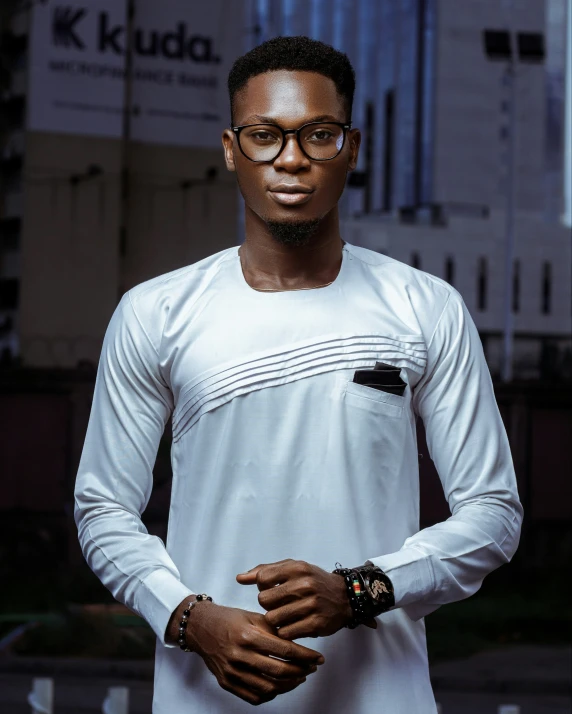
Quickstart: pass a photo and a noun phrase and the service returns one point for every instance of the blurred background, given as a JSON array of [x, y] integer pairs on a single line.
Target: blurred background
[[111, 173]]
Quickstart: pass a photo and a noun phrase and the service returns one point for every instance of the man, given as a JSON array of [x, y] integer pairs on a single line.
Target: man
[[294, 368]]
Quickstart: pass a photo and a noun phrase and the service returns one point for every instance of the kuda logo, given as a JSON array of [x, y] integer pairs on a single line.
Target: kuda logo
[[64, 20], [176, 45]]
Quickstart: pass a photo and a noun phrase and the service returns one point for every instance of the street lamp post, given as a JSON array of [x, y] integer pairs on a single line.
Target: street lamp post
[[567, 217], [125, 178], [510, 75], [498, 45]]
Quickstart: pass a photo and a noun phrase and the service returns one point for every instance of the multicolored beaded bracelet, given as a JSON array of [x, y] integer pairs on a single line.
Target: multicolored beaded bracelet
[[183, 624], [355, 595]]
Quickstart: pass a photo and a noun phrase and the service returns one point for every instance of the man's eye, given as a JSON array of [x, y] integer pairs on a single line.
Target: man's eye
[[263, 136], [320, 135]]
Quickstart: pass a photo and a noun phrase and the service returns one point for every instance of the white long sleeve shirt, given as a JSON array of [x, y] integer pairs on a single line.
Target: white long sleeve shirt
[[278, 454]]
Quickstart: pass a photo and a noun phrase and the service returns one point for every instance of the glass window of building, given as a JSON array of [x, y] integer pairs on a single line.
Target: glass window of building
[[450, 270], [482, 279], [388, 151], [516, 287], [546, 288]]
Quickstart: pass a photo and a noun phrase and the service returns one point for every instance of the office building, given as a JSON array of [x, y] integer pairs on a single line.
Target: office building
[[110, 177], [431, 187]]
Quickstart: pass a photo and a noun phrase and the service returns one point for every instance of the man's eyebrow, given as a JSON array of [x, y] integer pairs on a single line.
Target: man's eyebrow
[[260, 119]]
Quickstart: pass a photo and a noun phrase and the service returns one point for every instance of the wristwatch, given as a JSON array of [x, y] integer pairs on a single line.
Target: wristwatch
[[377, 587], [370, 592]]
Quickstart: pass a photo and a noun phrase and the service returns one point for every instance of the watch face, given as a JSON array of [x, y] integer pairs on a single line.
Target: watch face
[[375, 586]]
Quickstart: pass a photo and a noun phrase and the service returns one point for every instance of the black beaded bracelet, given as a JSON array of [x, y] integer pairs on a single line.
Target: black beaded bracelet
[[183, 624], [357, 603]]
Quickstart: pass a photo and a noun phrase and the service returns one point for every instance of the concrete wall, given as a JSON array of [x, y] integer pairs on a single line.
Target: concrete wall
[[171, 226], [73, 273], [466, 241], [470, 150], [70, 257]]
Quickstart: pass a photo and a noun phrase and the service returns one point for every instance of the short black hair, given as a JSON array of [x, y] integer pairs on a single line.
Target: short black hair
[[299, 53]]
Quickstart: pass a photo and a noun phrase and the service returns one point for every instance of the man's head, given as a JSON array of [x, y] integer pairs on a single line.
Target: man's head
[[287, 83]]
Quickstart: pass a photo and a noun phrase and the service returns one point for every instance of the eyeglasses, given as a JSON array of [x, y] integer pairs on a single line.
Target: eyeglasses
[[319, 141]]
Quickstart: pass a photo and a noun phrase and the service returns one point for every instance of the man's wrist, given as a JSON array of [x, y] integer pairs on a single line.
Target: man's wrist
[[172, 632], [346, 608], [354, 596], [180, 616]]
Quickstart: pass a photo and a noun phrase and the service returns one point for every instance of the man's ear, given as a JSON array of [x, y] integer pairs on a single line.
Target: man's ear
[[228, 146], [354, 138]]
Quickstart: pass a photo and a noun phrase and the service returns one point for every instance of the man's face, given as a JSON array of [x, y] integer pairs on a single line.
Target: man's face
[[290, 99]]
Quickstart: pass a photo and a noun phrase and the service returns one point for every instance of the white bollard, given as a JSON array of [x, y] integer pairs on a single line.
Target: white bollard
[[117, 701], [509, 709], [41, 698]]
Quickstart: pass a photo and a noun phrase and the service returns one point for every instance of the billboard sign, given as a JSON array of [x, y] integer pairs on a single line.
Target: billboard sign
[[181, 54]]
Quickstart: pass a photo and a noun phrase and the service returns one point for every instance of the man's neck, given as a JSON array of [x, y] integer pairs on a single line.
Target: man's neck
[[268, 264]]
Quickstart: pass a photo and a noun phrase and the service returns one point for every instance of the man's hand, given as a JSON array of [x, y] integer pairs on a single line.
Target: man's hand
[[301, 599], [244, 653]]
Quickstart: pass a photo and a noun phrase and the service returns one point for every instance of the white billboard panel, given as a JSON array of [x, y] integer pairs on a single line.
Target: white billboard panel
[[74, 87], [182, 52]]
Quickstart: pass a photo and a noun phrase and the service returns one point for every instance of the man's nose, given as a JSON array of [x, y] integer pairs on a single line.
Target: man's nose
[[292, 157]]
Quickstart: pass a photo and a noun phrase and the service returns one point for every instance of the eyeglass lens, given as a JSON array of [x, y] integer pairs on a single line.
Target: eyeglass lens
[[264, 141]]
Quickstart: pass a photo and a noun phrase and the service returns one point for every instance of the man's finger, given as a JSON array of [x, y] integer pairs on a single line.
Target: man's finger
[[278, 596], [297, 630], [268, 576], [276, 668], [250, 576], [272, 644], [286, 615]]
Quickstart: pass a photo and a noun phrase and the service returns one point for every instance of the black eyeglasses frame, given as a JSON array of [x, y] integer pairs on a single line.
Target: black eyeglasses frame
[[238, 129]]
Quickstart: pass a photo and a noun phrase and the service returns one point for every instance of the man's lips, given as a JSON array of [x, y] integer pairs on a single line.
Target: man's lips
[[291, 195]]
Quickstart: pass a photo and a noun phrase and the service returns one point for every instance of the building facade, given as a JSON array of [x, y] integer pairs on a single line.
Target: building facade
[[434, 176], [83, 218], [431, 188], [456, 225]]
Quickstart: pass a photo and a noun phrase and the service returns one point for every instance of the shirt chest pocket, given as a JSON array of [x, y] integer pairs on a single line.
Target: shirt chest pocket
[[369, 428], [368, 399]]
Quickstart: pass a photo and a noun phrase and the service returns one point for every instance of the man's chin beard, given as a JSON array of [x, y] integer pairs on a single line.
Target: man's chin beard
[[296, 233]]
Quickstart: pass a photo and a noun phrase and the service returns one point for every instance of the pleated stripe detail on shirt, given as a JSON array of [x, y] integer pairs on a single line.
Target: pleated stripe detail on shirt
[[213, 388]]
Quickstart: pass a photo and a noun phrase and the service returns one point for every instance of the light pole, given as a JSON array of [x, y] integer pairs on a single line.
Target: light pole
[[567, 217], [125, 178], [498, 45]]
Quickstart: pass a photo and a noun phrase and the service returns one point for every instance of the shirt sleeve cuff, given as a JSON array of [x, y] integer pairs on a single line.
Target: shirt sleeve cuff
[[159, 595], [411, 575]]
